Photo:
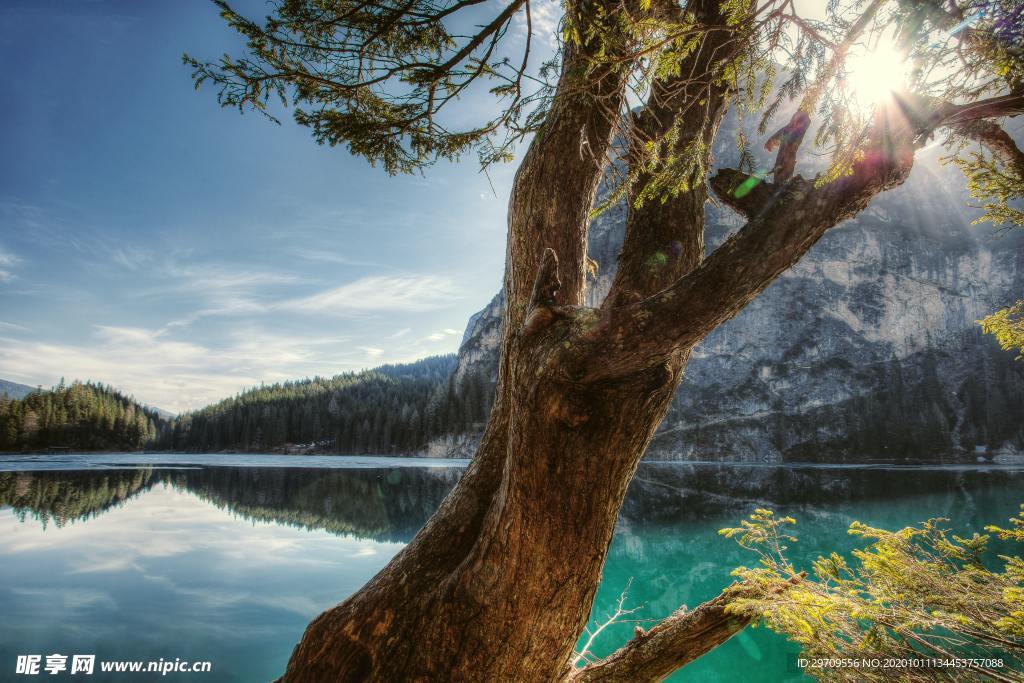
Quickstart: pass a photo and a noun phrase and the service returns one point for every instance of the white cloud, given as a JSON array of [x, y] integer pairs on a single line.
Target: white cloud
[[131, 258], [323, 256], [545, 16], [175, 374], [443, 334], [7, 262], [408, 294], [220, 289], [226, 290], [401, 333]]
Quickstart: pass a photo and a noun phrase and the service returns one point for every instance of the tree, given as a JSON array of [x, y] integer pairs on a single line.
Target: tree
[[499, 582], [1007, 325], [920, 592]]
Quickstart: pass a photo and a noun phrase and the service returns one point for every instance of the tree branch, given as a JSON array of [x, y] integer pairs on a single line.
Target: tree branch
[[555, 185], [664, 237], [672, 643], [993, 107], [996, 140], [784, 224], [745, 194], [789, 138]]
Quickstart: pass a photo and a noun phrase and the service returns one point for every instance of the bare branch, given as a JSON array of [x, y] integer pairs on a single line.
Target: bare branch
[[993, 107], [616, 617], [672, 643]]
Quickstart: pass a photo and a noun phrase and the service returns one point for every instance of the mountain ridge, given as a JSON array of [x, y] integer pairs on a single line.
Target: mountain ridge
[[15, 390]]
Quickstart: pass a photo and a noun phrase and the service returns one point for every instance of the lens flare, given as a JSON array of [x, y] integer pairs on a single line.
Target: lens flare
[[873, 74]]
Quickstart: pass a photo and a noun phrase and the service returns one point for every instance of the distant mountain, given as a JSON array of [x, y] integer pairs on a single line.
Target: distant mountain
[[15, 390], [165, 414]]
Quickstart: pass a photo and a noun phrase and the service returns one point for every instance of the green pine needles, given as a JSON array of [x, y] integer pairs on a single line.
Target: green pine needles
[[920, 593]]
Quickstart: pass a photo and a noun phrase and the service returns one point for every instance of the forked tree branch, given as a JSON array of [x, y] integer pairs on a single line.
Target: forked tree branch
[[672, 643], [664, 238], [784, 223]]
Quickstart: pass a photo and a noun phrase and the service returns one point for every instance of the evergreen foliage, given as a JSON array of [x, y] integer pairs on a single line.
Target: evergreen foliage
[[81, 416], [390, 409], [1007, 325], [917, 593]]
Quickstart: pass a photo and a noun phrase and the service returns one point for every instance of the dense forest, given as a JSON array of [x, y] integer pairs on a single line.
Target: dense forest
[[395, 409], [389, 409], [84, 416]]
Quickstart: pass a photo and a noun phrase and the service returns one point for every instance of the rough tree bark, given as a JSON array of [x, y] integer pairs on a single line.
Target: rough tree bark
[[498, 585]]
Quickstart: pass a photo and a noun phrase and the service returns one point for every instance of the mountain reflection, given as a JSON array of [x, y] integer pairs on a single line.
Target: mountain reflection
[[392, 504]]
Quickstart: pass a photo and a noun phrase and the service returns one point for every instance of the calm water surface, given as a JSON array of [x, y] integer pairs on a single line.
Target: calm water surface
[[226, 558]]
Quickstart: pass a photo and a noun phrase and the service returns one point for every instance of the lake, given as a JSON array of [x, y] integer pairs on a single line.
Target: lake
[[226, 558]]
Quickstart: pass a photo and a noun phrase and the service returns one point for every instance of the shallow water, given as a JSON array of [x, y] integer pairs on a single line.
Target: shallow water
[[226, 558]]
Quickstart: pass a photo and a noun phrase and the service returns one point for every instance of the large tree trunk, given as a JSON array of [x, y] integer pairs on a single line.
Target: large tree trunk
[[498, 585]]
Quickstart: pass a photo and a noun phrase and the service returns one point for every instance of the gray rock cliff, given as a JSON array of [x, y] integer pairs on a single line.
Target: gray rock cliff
[[867, 349]]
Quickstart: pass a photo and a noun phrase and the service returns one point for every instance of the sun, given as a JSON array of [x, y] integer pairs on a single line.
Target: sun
[[872, 74]]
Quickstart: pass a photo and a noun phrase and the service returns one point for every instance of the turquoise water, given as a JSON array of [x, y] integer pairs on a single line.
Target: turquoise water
[[227, 563]]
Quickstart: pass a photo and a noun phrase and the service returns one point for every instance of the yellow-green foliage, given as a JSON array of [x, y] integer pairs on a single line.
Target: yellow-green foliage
[[919, 592], [1007, 325], [995, 184]]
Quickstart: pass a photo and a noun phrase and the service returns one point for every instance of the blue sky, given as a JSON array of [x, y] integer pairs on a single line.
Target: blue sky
[[182, 252]]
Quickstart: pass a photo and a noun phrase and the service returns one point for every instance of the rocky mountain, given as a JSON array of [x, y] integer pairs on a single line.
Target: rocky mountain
[[868, 349]]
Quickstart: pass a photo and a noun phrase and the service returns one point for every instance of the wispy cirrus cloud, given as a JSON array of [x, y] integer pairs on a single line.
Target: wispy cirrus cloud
[[443, 334], [408, 294], [7, 263], [131, 258], [324, 256], [220, 289]]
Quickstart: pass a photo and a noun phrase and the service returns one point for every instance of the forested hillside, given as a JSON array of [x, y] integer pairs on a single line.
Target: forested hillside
[[83, 416], [389, 409]]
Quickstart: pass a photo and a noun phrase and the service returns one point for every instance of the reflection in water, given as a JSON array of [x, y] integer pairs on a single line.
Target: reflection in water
[[230, 563], [392, 504]]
